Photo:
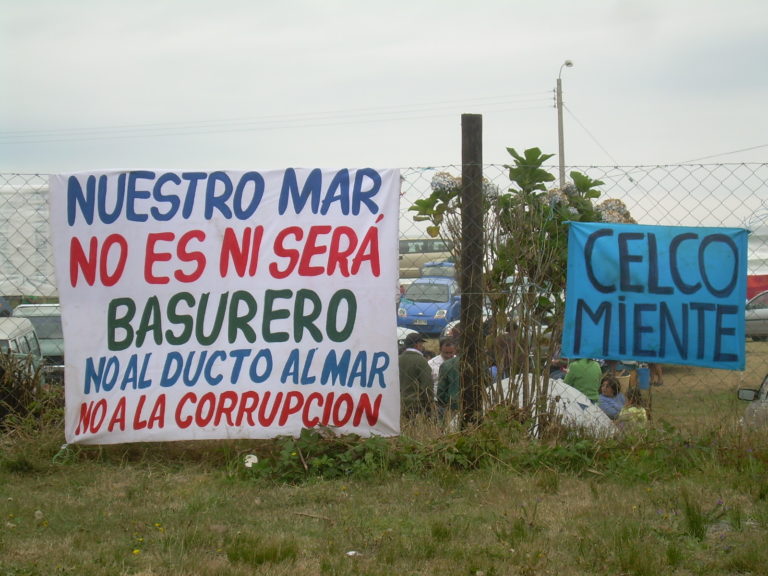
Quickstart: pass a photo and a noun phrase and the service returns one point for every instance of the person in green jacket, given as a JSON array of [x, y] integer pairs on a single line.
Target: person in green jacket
[[416, 385], [448, 387], [584, 374]]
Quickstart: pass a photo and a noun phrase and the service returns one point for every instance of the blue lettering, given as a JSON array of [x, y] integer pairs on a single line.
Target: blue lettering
[[244, 212], [310, 191], [134, 194]]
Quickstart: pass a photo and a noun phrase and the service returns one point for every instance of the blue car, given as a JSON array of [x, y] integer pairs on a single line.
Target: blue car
[[428, 304]]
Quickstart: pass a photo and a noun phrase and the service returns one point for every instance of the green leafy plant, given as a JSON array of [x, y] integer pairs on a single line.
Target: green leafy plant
[[525, 255]]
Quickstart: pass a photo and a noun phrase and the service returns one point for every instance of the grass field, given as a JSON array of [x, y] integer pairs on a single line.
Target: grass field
[[689, 496]]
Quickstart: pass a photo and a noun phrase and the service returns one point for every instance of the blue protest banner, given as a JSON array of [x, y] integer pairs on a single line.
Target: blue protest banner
[[666, 294]]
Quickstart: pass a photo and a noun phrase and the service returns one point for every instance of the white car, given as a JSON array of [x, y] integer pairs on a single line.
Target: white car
[[756, 412], [756, 316]]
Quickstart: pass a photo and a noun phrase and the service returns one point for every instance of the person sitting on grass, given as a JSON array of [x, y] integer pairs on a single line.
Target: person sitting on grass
[[633, 415], [611, 399]]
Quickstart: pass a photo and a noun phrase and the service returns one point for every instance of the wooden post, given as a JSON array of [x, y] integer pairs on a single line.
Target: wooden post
[[472, 361]]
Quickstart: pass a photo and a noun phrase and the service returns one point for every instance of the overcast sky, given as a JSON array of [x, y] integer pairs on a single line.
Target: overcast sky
[[256, 84]]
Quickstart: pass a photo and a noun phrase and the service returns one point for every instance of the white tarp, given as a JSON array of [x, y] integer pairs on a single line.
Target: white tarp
[[203, 305], [573, 407], [26, 262]]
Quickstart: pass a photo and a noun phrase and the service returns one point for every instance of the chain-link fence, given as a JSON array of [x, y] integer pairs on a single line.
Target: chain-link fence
[[717, 195], [720, 195]]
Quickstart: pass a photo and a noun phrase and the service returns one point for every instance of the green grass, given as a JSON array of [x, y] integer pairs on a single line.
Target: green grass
[[688, 497]]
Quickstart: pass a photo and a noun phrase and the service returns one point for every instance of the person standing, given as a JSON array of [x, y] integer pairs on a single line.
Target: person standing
[[416, 387], [584, 374], [657, 374], [449, 387], [447, 351]]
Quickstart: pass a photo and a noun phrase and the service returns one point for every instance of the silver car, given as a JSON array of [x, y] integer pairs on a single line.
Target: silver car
[[46, 318], [756, 325]]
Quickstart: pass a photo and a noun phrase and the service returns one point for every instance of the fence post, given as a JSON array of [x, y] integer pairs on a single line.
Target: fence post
[[472, 363]]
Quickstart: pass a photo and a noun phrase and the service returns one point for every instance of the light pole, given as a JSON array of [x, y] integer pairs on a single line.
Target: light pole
[[561, 145]]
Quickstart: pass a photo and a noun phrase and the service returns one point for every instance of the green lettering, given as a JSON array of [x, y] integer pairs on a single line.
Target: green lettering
[[304, 320], [150, 321], [184, 319], [202, 338], [335, 333], [115, 322], [237, 322], [270, 314]]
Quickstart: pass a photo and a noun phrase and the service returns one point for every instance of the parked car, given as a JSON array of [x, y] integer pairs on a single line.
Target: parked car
[[18, 337], [46, 318], [756, 413], [445, 268], [428, 304], [5, 307], [21, 357], [415, 252], [756, 317]]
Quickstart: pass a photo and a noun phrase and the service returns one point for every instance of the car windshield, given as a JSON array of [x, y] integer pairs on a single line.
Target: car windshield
[[47, 327], [419, 292]]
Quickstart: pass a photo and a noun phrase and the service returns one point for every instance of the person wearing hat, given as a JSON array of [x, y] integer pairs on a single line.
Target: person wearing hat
[[416, 387]]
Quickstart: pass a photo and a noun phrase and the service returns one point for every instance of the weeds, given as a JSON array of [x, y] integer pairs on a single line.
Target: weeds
[[520, 528], [697, 520], [255, 551]]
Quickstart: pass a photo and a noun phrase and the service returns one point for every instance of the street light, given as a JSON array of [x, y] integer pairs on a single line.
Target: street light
[[561, 145]]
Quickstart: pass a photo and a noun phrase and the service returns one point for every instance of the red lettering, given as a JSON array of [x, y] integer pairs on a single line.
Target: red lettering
[[328, 407], [92, 416], [265, 420], [342, 251], [206, 409], [344, 402], [184, 422], [293, 403], [152, 256], [157, 417], [314, 397], [118, 416], [241, 254], [80, 262], [368, 252], [312, 249], [283, 252], [194, 256], [225, 407], [364, 408], [248, 402], [230, 408], [339, 256], [138, 423]]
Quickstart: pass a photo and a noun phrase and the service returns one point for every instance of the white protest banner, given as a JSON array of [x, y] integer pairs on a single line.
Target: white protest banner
[[237, 304]]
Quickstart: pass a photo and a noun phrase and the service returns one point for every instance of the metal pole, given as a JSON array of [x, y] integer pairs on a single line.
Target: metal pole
[[561, 144], [560, 140]]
